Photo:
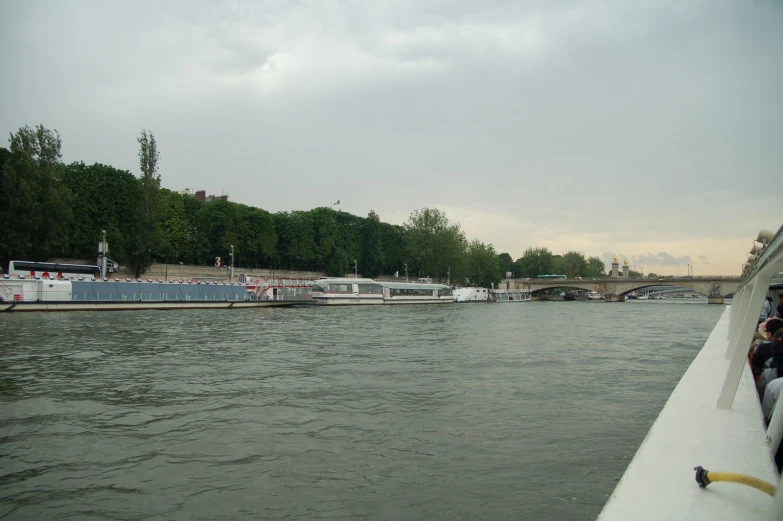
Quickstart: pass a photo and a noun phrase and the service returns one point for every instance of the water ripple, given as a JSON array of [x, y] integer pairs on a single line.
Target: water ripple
[[435, 412]]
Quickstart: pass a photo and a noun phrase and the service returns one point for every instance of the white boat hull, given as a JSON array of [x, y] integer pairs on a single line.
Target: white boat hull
[[347, 301], [466, 295], [364, 292], [510, 296]]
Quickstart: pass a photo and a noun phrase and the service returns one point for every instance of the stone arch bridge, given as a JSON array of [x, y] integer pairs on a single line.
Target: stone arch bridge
[[615, 290]]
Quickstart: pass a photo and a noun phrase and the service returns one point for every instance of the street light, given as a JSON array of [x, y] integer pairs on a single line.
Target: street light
[[448, 281], [180, 270], [231, 270], [406, 272], [355, 269]]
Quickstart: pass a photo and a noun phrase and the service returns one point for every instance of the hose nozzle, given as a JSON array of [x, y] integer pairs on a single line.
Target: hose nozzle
[[701, 476]]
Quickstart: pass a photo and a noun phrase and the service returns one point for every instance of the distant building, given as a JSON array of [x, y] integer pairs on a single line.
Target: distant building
[[201, 195]]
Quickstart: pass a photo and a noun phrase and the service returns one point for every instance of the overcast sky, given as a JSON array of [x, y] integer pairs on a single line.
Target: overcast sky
[[650, 129]]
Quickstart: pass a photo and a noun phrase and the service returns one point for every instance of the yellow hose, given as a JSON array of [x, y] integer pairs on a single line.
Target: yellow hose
[[705, 477]]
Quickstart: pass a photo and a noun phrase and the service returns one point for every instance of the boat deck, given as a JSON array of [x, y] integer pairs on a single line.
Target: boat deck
[[691, 430]]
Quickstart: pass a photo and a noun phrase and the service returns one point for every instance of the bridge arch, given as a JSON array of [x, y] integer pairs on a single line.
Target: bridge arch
[[565, 284], [626, 292], [715, 288]]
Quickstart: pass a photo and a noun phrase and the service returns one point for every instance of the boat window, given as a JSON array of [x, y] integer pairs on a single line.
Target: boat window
[[340, 288], [411, 292], [373, 289], [445, 291]]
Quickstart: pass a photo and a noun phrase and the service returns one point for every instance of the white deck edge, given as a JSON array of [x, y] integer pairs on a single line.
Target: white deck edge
[[691, 430]]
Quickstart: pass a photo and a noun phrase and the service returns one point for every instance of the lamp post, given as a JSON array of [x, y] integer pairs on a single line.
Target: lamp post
[[355, 269], [448, 280], [180, 270], [231, 270], [406, 272]]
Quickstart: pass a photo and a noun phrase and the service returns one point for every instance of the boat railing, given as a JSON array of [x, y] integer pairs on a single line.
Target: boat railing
[[5, 292], [765, 266], [714, 418], [744, 313]]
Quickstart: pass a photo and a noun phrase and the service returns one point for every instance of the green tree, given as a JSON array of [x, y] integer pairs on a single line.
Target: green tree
[[482, 264], [35, 211], [337, 263], [104, 198], [221, 224], [559, 266], [260, 241], [296, 243], [146, 241], [595, 267], [506, 264], [393, 247], [350, 234], [575, 264], [435, 245], [326, 235], [536, 261], [39, 145], [199, 243], [175, 241], [372, 253]]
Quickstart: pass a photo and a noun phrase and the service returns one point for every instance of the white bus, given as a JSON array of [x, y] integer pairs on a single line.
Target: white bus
[[52, 270]]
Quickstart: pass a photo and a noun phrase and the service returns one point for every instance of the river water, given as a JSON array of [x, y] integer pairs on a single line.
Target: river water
[[476, 411]]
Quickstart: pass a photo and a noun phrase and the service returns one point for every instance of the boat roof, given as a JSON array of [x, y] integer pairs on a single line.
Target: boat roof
[[414, 285], [344, 280]]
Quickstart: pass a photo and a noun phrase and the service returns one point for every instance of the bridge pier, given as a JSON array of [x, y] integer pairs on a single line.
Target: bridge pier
[[715, 300], [611, 297]]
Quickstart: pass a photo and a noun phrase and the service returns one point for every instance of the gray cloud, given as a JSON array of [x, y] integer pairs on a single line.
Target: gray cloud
[[704, 259], [578, 117], [662, 258]]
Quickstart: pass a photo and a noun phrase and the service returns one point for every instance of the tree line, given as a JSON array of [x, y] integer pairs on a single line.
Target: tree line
[[49, 209]]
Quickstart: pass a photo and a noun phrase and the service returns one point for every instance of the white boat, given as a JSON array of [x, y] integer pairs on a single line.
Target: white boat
[[594, 296], [361, 291], [505, 295], [714, 419], [474, 294]]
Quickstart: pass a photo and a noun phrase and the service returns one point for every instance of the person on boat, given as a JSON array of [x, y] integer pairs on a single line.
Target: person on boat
[[773, 367], [771, 393], [762, 351], [766, 310]]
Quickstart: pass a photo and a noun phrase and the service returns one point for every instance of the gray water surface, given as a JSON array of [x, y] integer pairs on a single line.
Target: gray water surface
[[488, 411]]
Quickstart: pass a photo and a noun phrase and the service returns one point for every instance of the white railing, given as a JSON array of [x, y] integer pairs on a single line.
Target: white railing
[[744, 316], [5, 292]]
